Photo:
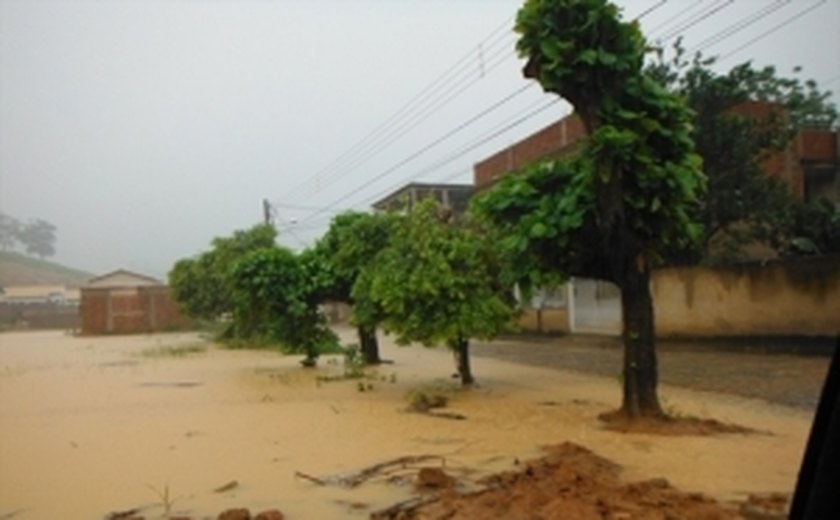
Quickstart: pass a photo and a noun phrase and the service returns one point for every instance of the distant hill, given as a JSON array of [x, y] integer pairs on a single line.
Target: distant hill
[[19, 269]]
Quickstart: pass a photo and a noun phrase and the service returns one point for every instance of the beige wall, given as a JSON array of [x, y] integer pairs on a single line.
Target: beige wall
[[547, 321], [787, 298]]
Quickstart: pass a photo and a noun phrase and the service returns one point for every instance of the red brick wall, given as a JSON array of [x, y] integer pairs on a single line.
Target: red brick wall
[[555, 140], [817, 146], [167, 315], [94, 311], [130, 310]]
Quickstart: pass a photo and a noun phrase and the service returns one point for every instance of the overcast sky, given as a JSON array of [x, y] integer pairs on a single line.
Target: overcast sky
[[144, 128]]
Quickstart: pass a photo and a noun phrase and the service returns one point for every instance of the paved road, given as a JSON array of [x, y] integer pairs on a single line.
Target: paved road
[[789, 379]]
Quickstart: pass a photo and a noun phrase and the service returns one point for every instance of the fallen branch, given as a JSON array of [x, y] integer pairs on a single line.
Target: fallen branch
[[447, 415], [118, 515], [360, 477], [402, 509], [310, 478], [409, 508]]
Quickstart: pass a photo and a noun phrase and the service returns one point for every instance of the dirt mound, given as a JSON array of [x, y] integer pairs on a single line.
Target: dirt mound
[[568, 482]]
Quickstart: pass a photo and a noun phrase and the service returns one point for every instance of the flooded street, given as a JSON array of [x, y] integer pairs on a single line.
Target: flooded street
[[89, 426]]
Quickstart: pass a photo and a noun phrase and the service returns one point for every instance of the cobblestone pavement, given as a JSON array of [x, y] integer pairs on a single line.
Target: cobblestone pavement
[[789, 379]]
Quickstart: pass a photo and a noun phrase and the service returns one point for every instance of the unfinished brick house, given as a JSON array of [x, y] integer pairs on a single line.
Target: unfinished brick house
[[122, 302]]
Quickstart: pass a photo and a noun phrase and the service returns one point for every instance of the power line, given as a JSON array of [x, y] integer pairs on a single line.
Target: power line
[[444, 137], [738, 26], [452, 72], [411, 124], [673, 18], [649, 10], [687, 23], [712, 10], [773, 29], [442, 162]]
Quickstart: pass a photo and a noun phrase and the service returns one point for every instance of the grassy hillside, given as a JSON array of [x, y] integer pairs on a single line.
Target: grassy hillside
[[18, 269]]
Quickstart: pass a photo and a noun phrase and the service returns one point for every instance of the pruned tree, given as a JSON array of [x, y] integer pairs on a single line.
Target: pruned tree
[[440, 281], [622, 204]]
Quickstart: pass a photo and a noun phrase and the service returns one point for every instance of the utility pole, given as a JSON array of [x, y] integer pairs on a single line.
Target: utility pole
[[266, 212]]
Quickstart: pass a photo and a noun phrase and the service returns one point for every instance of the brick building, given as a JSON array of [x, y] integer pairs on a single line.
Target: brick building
[[810, 165], [122, 302], [555, 140]]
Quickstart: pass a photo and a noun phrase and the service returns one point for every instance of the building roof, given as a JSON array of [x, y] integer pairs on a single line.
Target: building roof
[[122, 278], [386, 201], [38, 293]]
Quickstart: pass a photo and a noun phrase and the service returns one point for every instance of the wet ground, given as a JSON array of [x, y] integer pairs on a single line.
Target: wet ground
[[745, 369], [90, 426]]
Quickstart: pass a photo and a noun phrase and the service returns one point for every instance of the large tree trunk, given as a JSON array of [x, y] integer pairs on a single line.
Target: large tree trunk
[[640, 365], [461, 349], [369, 345]]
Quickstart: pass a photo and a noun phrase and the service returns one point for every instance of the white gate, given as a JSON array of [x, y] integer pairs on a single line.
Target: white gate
[[596, 307]]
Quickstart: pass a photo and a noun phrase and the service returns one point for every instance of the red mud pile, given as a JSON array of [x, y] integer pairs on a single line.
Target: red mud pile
[[568, 482]]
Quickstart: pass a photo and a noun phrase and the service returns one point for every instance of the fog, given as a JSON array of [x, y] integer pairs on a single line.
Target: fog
[[142, 129]]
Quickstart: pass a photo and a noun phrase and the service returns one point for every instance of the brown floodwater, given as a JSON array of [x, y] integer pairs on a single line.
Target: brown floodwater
[[94, 425]]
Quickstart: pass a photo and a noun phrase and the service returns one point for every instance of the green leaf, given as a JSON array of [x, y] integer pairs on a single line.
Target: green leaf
[[539, 230]]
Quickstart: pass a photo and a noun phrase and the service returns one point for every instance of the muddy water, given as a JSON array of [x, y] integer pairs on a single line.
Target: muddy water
[[92, 425]]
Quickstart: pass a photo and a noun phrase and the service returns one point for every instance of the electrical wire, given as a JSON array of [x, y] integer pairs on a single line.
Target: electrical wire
[[649, 10], [413, 123], [319, 214], [711, 11], [773, 29], [449, 75], [738, 26], [440, 163], [673, 18]]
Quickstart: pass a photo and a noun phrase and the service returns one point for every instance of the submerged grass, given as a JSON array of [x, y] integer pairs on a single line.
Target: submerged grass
[[174, 351]]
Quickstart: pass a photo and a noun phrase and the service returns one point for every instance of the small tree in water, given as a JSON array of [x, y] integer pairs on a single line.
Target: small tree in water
[[621, 204], [346, 250], [440, 281]]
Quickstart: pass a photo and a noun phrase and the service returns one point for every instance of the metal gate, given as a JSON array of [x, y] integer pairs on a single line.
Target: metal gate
[[596, 307]]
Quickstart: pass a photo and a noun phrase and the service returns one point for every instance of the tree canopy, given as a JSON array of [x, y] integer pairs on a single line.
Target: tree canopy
[[203, 285], [440, 281], [262, 293], [37, 236], [345, 252], [744, 204]]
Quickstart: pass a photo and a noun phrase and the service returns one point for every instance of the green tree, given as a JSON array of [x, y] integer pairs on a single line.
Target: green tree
[[9, 230], [203, 285], [347, 249], [622, 204], [440, 281], [37, 237], [276, 300], [743, 203]]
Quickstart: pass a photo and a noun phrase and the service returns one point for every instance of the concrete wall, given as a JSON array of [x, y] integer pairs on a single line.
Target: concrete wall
[[129, 310], [799, 297], [45, 315], [545, 321]]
